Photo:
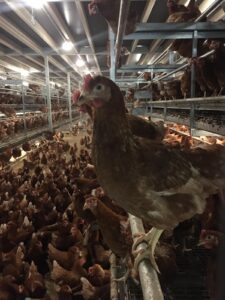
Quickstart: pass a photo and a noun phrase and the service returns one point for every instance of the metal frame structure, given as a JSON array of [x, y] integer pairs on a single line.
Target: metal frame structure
[[27, 135], [59, 63]]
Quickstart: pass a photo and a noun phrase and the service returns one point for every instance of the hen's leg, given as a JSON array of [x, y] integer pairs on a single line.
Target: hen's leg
[[151, 238], [220, 92]]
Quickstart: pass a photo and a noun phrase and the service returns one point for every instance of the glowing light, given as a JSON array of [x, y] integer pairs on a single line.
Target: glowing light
[[25, 83], [80, 62], [24, 73], [37, 4], [67, 46], [137, 57]]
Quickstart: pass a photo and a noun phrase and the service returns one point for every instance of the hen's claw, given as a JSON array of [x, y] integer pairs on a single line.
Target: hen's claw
[[145, 254], [151, 238]]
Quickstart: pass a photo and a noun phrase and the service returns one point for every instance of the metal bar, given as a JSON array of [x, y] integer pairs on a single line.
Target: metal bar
[[48, 93], [155, 67], [194, 54], [207, 11], [144, 18], [208, 128], [83, 51], [172, 72], [200, 100], [214, 6], [182, 67], [173, 35], [149, 280], [180, 27], [84, 22], [112, 55], [113, 286], [69, 96], [23, 103], [123, 14]]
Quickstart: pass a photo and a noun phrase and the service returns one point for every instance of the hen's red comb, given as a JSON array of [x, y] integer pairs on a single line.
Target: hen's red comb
[[76, 95], [87, 80]]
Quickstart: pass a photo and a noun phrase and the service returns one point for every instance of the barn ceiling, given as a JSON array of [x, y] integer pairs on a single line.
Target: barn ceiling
[[28, 34]]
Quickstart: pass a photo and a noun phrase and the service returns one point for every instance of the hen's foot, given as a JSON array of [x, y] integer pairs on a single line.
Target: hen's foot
[[123, 278], [151, 238]]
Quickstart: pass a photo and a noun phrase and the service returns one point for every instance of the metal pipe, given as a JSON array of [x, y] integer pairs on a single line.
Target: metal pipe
[[48, 93], [210, 10], [123, 14], [69, 96], [149, 280], [171, 73], [114, 289], [23, 103], [190, 100], [112, 55], [182, 67], [212, 7], [194, 54]]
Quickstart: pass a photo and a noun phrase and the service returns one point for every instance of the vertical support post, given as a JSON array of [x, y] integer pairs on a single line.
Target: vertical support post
[[193, 75], [69, 96], [112, 55], [48, 93], [165, 112], [58, 97], [171, 57], [114, 289], [123, 14], [23, 103], [194, 54], [152, 75], [149, 280], [151, 111]]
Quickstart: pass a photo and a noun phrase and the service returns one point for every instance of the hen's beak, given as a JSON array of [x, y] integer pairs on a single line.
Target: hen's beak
[[85, 206], [84, 103], [201, 243], [84, 99]]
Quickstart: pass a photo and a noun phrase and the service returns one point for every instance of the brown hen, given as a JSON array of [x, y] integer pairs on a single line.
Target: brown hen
[[163, 186]]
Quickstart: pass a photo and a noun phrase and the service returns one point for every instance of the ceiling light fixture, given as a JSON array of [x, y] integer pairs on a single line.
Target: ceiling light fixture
[[24, 73], [36, 4], [67, 46], [80, 62]]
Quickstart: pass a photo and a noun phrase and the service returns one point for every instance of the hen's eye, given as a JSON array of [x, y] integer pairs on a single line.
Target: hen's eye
[[99, 87]]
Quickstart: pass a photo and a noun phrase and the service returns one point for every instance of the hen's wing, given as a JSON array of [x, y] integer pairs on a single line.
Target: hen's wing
[[159, 167], [145, 129], [208, 160], [168, 189]]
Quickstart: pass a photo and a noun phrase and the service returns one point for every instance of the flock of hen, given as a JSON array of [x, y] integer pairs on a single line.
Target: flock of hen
[[64, 210], [210, 71]]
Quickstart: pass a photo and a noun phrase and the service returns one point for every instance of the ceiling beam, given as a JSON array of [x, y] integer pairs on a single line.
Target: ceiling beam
[[147, 68], [144, 19], [34, 63], [63, 29], [205, 9], [83, 51], [87, 30], [18, 34], [25, 15]]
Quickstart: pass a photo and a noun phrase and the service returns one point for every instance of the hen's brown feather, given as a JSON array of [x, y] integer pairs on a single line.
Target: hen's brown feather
[[160, 184]]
